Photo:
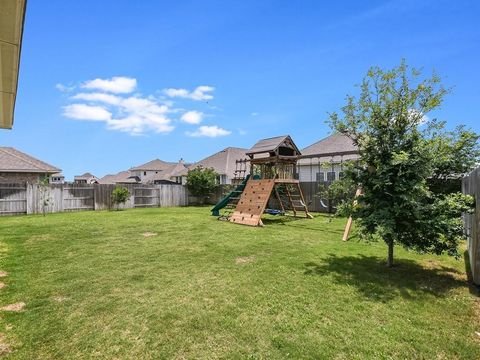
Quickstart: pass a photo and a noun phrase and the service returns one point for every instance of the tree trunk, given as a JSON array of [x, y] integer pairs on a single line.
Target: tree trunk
[[390, 253]]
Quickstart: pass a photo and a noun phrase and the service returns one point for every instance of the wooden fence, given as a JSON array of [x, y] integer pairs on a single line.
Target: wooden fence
[[471, 186], [34, 198]]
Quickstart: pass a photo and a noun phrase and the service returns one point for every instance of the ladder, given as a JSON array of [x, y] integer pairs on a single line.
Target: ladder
[[291, 199]]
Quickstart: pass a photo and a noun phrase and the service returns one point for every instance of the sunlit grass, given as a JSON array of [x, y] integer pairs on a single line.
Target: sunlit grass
[[177, 283]]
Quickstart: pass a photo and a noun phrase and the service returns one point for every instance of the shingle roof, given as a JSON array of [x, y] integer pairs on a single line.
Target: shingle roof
[[154, 165], [270, 144], [13, 160], [223, 162], [334, 148], [335, 143], [122, 176]]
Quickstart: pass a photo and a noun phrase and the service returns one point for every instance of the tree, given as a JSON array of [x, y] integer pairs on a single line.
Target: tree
[[401, 149], [119, 196], [201, 182]]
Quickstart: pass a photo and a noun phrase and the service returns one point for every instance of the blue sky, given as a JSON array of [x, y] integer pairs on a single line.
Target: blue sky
[[184, 79]]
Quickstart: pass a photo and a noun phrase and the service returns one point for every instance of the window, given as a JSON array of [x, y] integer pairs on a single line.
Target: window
[[144, 173], [331, 176], [320, 176]]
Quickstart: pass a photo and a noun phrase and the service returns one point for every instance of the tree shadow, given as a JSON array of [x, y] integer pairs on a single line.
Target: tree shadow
[[376, 282]]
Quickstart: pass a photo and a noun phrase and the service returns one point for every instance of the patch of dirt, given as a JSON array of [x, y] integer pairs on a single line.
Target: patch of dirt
[[14, 307], [3, 273], [244, 260], [60, 298], [4, 347], [2, 285], [149, 234]]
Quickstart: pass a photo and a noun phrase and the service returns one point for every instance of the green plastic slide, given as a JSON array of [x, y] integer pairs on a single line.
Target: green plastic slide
[[235, 193]]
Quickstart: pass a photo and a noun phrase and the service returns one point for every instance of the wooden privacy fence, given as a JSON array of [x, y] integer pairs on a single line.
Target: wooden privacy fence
[[471, 186], [36, 198]]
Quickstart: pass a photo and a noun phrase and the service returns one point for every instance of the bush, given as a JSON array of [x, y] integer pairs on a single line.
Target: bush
[[119, 196], [202, 182]]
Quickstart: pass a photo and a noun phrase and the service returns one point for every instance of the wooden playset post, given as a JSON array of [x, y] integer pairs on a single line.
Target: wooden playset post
[[350, 220]]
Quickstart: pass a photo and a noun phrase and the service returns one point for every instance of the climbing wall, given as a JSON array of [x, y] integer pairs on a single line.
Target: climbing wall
[[252, 202]]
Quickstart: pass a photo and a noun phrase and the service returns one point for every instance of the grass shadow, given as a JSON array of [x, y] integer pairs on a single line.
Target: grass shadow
[[374, 281]]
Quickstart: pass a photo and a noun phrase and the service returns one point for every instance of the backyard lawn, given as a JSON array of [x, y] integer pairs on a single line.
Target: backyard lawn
[[177, 283]]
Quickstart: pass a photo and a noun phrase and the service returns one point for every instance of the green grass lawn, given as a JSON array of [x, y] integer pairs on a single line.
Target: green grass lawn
[[96, 287]]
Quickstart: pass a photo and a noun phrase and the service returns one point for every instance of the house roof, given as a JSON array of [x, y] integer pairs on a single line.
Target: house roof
[[223, 162], [85, 176], [177, 169], [335, 143], [271, 144], [12, 19], [154, 165], [13, 160], [121, 177], [334, 148]]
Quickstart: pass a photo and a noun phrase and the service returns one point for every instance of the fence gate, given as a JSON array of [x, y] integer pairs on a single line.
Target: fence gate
[[13, 199], [78, 197], [145, 197]]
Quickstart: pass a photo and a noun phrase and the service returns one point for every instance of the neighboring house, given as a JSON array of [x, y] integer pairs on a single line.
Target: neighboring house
[[173, 174], [224, 163], [86, 178], [57, 178], [325, 158], [16, 166], [123, 177], [150, 168]]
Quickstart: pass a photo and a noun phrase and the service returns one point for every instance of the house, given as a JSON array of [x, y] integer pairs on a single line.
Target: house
[[225, 164], [18, 167], [57, 178], [173, 174], [323, 160], [86, 178], [150, 168]]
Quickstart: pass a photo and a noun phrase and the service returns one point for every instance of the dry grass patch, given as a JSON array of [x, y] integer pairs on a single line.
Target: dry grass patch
[[2, 284], [4, 347], [244, 260], [14, 307], [149, 234], [3, 273]]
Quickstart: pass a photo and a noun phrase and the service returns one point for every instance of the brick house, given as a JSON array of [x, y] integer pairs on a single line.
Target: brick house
[[18, 167]]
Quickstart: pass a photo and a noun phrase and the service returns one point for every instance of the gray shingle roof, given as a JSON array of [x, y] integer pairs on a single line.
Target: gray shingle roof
[[122, 177], [13, 160], [154, 165], [270, 144], [223, 162], [335, 143], [335, 148]]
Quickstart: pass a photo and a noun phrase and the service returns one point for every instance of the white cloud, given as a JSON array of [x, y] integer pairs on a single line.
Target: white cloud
[[111, 102], [98, 97], [254, 114], [209, 131], [64, 88], [199, 93], [87, 112], [116, 85], [192, 117]]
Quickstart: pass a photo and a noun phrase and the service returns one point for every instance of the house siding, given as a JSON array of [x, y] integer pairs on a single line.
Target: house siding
[[308, 173]]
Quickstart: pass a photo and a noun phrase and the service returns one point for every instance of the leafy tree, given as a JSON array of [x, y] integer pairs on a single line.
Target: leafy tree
[[120, 196], [401, 150], [201, 182]]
